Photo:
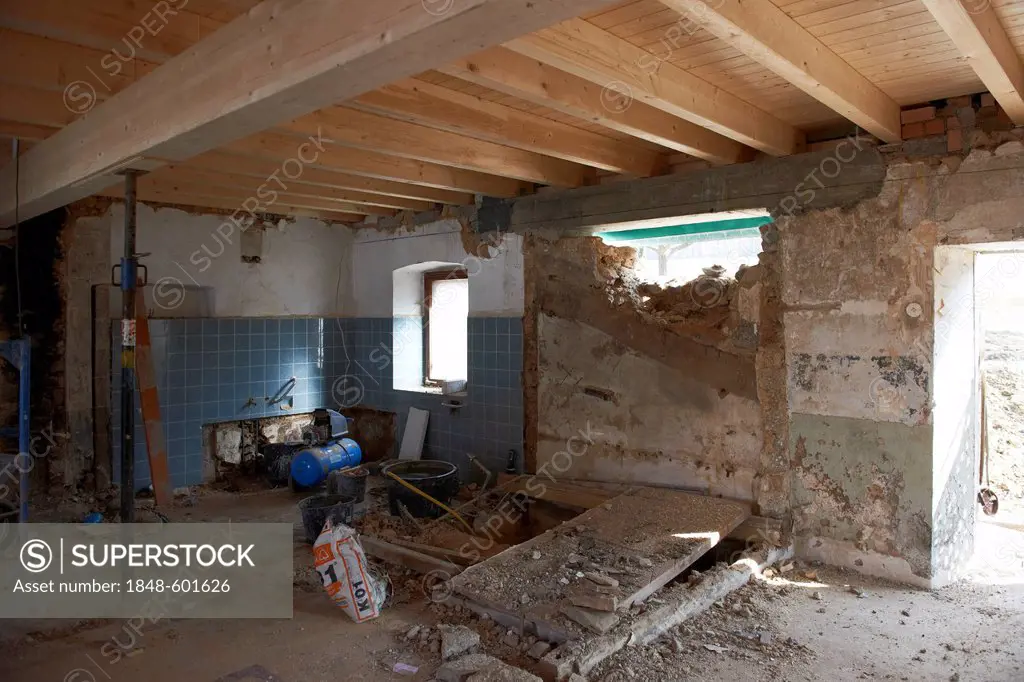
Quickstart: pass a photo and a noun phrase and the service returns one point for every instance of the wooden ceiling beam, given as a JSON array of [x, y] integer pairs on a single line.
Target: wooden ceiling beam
[[277, 62], [244, 200], [977, 32], [513, 74], [361, 130], [277, 146], [418, 101], [176, 200], [264, 186], [263, 169], [766, 34], [627, 72]]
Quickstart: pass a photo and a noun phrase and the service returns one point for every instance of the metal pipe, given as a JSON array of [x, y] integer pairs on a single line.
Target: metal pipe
[[129, 281], [24, 406]]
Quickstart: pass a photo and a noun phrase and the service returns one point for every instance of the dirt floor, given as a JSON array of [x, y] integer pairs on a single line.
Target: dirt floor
[[1004, 374], [805, 624]]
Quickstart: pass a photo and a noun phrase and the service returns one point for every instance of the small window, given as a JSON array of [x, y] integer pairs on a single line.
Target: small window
[[445, 329]]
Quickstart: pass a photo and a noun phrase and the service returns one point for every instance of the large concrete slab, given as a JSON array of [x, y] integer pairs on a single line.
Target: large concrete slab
[[640, 540]]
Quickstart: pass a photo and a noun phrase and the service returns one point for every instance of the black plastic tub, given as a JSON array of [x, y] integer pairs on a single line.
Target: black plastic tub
[[315, 511], [349, 482], [436, 478]]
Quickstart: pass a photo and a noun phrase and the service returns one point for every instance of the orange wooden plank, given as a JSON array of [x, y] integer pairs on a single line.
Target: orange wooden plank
[[145, 373]]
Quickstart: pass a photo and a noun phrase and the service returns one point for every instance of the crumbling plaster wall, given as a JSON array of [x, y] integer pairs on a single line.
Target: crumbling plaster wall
[[877, 481], [640, 385]]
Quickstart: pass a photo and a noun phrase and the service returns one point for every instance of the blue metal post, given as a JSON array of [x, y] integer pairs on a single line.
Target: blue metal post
[[129, 281]]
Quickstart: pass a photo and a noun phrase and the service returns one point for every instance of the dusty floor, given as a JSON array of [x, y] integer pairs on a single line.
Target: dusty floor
[[806, 624]]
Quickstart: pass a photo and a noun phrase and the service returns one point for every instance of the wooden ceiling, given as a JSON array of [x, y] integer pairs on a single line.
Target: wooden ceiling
[[623, 90]]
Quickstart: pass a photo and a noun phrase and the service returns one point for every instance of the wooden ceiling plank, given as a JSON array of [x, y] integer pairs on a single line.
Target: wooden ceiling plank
[[279, 61], [426, 103], [976, 31], [529, 79], [770, 37], [590, 53], [124, 29]]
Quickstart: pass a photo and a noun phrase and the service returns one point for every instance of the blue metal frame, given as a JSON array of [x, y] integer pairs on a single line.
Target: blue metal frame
[[19, 353]]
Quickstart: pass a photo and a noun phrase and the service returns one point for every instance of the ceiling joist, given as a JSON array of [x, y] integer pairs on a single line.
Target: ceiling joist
[[976, 31], [766, 34], [626, 72], [529, 79], [422, 102]]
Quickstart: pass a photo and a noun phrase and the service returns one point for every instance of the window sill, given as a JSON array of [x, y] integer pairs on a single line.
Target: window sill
[[433, 390]]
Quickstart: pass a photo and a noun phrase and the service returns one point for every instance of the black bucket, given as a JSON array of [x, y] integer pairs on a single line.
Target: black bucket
[[315, 511], [436, 478], [350, 482]]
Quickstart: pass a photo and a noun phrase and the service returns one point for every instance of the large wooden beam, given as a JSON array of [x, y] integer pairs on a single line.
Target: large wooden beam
[[627, 72], [361, 130], [770, 37], [458, 112], [534, 81], [281, 60], [976, 31]]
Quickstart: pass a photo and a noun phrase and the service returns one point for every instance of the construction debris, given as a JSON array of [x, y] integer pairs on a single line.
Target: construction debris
[[456, 640]]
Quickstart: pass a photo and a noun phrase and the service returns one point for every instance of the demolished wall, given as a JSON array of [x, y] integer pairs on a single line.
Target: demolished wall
[[659, 380]]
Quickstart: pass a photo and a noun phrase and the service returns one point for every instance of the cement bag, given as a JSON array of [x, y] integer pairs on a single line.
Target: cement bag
[[358, 589]]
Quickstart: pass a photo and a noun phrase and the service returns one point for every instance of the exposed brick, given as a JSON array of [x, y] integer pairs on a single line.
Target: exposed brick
[[962, 101], [913, 130], [936, 126], [987, 100], [917, 115], [953, 123], [954, 140]]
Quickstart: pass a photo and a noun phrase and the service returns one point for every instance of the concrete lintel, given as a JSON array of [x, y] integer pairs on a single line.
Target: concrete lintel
[[818, 180]]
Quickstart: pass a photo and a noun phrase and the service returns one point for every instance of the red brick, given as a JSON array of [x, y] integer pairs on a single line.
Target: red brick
[[936, 126], [954, 140], [913, 130], [987, 100], [916, 115], [952, 123], [962, 101]]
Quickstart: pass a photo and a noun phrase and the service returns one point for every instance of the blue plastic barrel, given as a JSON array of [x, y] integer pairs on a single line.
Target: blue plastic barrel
[[311, 465]]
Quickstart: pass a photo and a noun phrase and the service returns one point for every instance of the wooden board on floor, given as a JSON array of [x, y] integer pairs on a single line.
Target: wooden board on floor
[[642, 538], [149, 399]]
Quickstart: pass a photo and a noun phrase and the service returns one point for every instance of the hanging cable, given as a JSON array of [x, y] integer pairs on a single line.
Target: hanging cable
[[16, 149]]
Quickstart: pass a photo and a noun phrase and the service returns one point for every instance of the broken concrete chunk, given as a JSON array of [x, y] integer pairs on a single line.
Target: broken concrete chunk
[[535, 555], [457, 639], [574, 559], [511, 639], [461, 668], [595, 621], [645, 562], [413, 631], [598, 602], [601, 579], [538, 650]]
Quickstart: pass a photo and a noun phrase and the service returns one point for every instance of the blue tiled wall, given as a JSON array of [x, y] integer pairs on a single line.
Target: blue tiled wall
[[362, 357], [208, 369]]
